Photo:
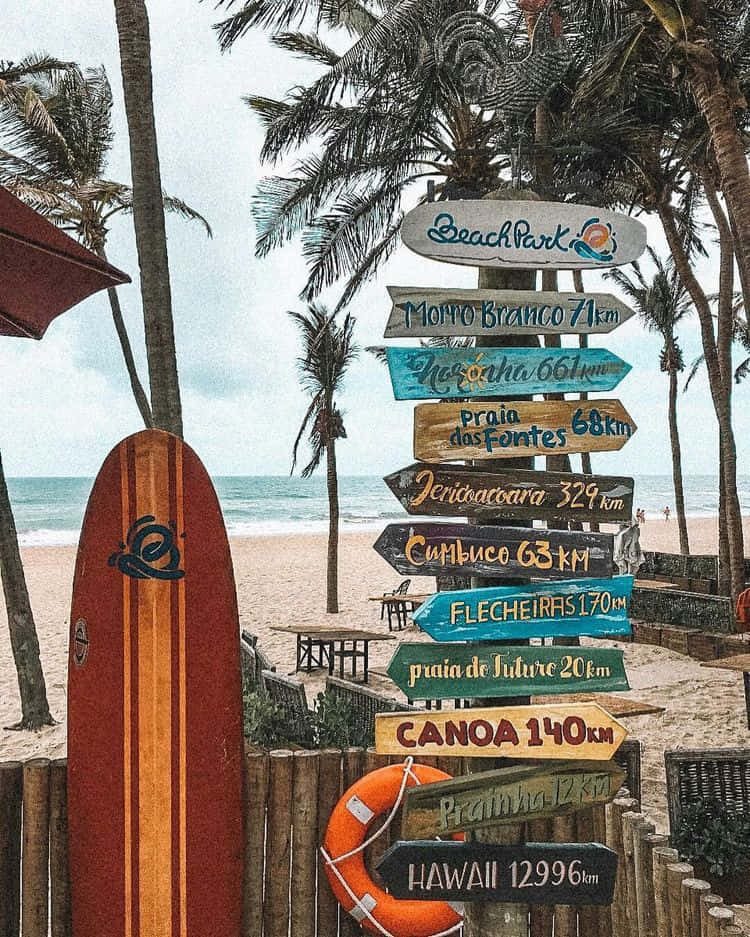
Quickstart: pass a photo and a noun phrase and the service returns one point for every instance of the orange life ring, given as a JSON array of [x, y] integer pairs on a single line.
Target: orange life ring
[[372, 796]]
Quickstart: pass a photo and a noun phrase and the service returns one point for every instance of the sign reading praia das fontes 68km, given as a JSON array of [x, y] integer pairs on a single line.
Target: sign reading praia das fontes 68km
[[535, 873], [523, 234], [593, 607]]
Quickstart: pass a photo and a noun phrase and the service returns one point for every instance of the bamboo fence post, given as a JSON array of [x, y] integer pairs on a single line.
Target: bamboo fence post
[[278, 845], [541, 916], [718, 918], [676, 872], [59, 872], [662, 857], [11, 798], [256, 795], [329, 790], [634, 824], [615, 810], [304, 842], [35, 864], [643, 847], [563, 831], [707, 902], [354, 761], [588, 917], [604, 915], [692, 890]]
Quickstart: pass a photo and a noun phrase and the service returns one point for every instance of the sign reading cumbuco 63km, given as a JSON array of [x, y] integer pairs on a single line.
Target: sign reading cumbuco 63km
[[523, 234]]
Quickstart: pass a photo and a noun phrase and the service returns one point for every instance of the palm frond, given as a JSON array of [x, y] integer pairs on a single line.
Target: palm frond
[[306, 45]]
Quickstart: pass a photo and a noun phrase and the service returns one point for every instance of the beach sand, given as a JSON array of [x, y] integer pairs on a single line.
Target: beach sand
[[281, 580]]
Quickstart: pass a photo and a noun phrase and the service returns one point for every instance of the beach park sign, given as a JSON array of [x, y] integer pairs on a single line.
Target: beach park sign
[[523, 234], [424, 312]]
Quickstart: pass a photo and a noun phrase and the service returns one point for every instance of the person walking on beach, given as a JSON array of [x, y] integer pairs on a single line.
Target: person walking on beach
[[666, 513], [640, 516]]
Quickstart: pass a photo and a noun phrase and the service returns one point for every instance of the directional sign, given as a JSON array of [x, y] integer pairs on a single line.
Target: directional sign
[[424, 312], [541, 610], [484, 671], [422, 373], [523, 234], [580, 731], [508, 795], [434, 549], [537, 873], [457, 491], [448, 431]]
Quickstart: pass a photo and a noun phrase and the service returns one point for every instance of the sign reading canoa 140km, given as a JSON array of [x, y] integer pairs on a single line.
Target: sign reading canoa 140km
[[447, 431], [423, 312], [422, 373], [592, 607], [458, 491], [433, 549], [523, 234]]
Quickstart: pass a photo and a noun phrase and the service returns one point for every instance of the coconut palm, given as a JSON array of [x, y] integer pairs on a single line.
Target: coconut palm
[[662, 303], [327, 351]]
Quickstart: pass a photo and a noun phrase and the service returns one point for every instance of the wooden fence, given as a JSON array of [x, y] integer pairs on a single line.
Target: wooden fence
[[289, 797]]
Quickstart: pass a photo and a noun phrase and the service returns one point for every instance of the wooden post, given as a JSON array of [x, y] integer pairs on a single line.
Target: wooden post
[[662, 857], [692, 891], [256, 795], [708, 901], [604, 914], [615, 810], [35, 866], [588, 918], [278, 845], [11, 797], [676, 873], [304, 845], [564, 831], [354, 761], [541, 916], [632, 821], [329, 790], [644, 845], [59, 873], [718, 918]]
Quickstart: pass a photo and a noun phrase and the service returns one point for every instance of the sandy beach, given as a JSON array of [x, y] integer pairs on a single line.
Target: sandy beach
[[704, 708]]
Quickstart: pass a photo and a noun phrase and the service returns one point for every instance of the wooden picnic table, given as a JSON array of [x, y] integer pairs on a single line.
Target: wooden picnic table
[[323, 646], [416, 598], [740, 663]]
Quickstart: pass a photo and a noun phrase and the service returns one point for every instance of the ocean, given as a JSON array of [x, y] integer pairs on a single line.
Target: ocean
[[49, 511]]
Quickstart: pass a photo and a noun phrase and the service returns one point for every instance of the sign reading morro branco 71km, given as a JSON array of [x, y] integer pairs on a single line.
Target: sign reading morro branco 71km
[[447, 431], [481, 671], [541, 610], [523, 234], [423, 312], [422, 373], [459, 491], [433, 549]]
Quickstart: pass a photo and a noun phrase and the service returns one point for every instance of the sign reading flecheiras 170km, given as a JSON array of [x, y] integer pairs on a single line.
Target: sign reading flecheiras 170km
[[523, 234]]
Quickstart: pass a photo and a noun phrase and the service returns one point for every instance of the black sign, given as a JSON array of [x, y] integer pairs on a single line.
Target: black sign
[[537, 873]]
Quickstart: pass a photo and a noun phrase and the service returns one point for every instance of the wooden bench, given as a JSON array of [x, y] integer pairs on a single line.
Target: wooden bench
[[713, 774], [365, 702], [291, 697], [253, 660]]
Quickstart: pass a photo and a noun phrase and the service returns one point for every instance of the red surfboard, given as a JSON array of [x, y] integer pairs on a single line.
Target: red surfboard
[[154, 703]]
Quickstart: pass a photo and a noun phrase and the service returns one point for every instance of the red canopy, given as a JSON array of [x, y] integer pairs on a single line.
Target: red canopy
[[43, 272]]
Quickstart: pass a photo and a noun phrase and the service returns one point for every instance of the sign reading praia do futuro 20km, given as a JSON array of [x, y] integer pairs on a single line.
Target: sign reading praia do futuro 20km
[[523, 234]]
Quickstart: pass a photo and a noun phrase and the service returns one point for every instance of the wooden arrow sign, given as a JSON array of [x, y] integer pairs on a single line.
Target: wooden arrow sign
[[444, 432], [457, 491], [593, 607], [508, 795], [423, 373], [483, 671], [424, 312], [523, 234], [536, 873], [434, 549], [580, 731]]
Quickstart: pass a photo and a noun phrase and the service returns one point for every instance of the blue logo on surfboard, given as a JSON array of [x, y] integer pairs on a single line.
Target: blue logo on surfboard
[[150, 551]]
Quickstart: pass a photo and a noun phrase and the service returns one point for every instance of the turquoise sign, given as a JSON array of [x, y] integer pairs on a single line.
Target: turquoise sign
[[422, 373], [592, 607]]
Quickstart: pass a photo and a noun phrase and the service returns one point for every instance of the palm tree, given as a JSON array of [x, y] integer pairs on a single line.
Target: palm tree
[[148, 213], [327, 351], [662, 303], [58, 167]]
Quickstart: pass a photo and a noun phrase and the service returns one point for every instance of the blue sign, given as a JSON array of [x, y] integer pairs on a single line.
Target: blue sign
[[592, 607], [421, 373]]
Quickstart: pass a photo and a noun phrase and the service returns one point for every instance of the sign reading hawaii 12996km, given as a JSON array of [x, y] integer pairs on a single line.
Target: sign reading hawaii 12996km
[[523, 234]]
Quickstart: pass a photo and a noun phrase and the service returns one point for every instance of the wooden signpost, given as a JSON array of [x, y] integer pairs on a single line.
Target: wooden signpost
[[508, 795], [427, 549], [424, 373], [523, 235], [449, 431], [485, 671], [537, 873], [581, 730], [593, 607], [424, 312], [459, 491]]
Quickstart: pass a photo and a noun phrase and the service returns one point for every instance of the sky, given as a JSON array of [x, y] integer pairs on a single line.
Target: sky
[[67, 400]]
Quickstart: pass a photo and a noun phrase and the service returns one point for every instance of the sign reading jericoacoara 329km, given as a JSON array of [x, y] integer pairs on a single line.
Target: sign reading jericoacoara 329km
[[523, 234], [422, 373]]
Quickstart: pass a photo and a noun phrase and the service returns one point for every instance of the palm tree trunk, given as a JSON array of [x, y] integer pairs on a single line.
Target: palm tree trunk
[[332, 574], [724, 583], [148, 213], [674, 438], [23, 638]]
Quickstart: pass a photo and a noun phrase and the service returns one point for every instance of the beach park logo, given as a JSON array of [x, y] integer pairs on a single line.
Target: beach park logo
[[150, 551], [596, 242], [80, 642]]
